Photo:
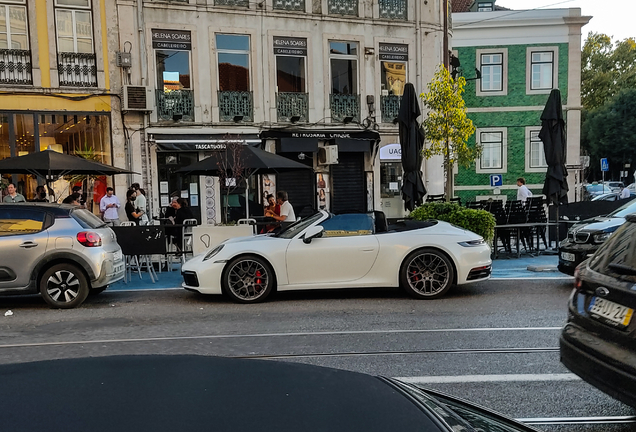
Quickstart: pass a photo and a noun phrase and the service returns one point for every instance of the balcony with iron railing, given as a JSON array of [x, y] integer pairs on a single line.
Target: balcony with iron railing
[[77, 69], [390, 107], [175, 105], [393, 9], [235, 104], [290, 105], [345, 105], [15, 67], [343, 7], [290, 5], [239, 3]]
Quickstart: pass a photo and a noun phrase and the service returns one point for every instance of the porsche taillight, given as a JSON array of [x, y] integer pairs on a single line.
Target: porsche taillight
[[89, 239]]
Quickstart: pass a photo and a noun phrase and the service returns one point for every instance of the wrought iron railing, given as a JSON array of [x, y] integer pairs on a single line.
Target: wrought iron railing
[[345, 105], [241, 3], [15, 67], [390, 107], [77, 69], [290, 105], [290, 5], [234, 104], [343, 7], [393, 9], [175, 105]]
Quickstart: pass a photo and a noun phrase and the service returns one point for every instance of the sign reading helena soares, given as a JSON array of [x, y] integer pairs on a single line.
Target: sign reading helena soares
[[171, 39], [393, 52], [290, 46]]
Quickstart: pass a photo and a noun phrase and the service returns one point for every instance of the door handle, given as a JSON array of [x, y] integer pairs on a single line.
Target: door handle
[[28, 244], [368, 250]]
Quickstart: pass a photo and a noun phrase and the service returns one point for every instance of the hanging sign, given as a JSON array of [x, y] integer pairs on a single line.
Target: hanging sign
[[290, 46], [171, 39], [393, 52], [391, 151]]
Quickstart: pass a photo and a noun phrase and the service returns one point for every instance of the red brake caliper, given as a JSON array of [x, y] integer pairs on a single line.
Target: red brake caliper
[[258, 275]]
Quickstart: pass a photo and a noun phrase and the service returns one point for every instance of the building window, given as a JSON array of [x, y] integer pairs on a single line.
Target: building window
[[393, 9], [343, 7], [542, 67], [235, 95], [291, 97], [493, 66], [393, 78], [289, 5], [484, 7], [76, 59], [174, 88], [345, 100], [13, 26], [494, 152], [535, 154]]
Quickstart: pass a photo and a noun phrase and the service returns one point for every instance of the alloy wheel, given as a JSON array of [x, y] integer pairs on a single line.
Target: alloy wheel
[[63, 286], [248, 279], [428, 274]]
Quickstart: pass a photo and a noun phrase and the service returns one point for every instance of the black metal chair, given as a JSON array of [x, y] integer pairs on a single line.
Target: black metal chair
[[535, 207]]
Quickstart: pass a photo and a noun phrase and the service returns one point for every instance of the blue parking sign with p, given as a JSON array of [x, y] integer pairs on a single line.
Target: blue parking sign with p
[[496, 180], [604, 164]]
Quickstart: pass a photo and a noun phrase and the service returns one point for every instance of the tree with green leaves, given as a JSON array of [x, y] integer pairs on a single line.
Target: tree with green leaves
[[607, 67], [446, 126]]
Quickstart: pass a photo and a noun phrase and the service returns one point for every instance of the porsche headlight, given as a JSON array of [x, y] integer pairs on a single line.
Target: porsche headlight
[[213, 252], [473, 243]]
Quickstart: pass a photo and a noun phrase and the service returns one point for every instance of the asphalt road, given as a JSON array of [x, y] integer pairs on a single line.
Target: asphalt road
[[494, 343]]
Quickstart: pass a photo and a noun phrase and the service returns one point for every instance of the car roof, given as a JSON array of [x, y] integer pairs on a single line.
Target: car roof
[[55, 208], [188, 393]]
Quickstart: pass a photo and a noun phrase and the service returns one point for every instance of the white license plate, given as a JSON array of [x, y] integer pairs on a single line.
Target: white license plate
[[610, 311], [568, 256]]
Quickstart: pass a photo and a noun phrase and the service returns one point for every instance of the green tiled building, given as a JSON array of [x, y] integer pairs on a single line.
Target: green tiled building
[[521, 57]]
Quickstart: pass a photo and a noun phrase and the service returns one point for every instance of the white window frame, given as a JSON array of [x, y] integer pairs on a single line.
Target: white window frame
[[355, 57], [15, 3], [555, 68], [528, 139], [61, 4], [504, 151], [504, 71], [73, 11], [276, 69], [229, 51]]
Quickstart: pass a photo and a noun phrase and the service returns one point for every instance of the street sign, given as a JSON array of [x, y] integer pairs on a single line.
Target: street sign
[[496, 180], [604, 164]]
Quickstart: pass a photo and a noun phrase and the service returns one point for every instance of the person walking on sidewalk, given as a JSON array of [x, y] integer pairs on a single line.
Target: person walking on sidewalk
[[523, 193], [108, 206]]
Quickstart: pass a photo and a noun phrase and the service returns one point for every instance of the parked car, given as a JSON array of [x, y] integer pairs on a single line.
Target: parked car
[[598, 343], [59, 250], [595, 189], [615, 186], [612, 196], [342, 251], [182, 393], [584, 238]]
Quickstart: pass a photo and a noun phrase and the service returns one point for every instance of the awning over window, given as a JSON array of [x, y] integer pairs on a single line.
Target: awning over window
[[306, 140], [207, 142]]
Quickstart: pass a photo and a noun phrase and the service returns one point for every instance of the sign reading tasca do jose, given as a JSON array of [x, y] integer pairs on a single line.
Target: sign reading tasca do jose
[[393, 52], [290, 46], [171, 39]]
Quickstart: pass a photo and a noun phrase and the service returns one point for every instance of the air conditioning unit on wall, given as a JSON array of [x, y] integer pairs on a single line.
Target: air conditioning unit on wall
[[328, 155], [137, 98]]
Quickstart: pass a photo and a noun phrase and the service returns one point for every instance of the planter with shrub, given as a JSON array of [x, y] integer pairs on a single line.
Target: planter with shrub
[[480, 222]]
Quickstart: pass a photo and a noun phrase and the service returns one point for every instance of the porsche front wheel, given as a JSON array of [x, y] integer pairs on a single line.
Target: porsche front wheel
[[426, 274], [248, 279]]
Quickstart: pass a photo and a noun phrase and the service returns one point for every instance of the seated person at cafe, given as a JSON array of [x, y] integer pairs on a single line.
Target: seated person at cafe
[[286, 210], [73, 198], [182, 212], [273, 208]]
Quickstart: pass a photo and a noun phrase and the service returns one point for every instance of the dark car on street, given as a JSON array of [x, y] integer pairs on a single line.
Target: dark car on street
[[598, 343], [586, 237]]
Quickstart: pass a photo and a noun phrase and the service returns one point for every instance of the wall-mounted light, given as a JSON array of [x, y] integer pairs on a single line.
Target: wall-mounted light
[[347, 119], [369, 50], [238, 118], [177, 117], [294, 119]]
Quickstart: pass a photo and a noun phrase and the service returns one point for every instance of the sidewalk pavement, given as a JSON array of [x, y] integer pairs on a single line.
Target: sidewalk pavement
[[526, 267]]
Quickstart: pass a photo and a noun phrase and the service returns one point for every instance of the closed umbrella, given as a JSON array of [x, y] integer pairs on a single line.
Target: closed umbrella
[[411, 143], [552, 135]]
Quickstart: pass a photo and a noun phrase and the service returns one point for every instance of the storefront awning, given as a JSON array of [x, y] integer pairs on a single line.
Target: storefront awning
[[306, 140], [207, 142]]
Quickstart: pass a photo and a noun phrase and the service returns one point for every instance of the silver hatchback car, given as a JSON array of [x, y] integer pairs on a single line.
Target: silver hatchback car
[[61, 251]]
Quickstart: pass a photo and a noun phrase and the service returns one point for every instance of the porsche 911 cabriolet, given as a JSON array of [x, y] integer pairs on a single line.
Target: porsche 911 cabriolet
[[327, 251]]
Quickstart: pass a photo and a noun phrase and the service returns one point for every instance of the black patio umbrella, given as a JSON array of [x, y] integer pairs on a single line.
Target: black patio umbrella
[[52, 165], [253, 159], [411, 142], [552, 135]]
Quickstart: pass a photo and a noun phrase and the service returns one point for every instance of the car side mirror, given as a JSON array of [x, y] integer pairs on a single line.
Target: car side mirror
[[312, 233]]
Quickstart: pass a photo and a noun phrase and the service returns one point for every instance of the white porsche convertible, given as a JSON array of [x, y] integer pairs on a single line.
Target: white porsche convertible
[[327, 251]]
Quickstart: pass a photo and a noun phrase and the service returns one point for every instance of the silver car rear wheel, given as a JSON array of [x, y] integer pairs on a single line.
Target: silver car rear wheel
[[248, 279], [427, 274], [64, 286]]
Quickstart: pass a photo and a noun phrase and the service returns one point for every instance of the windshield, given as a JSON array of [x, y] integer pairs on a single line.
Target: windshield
[[625, 209], [298, 226], [598, 188], [87, 219]]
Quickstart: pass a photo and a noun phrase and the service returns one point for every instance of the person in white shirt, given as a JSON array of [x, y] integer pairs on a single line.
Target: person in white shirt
[[286, 210], [523, 193], [625, 193], [108, 206], [141, 203]]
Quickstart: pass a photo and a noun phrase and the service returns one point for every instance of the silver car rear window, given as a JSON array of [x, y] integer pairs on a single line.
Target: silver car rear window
[[87, 219]]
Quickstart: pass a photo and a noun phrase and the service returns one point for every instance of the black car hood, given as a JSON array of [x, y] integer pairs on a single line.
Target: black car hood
[[599, 223]]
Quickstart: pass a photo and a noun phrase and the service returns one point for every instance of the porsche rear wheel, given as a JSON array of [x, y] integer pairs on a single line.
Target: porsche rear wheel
[[426, 274], [248, 279]]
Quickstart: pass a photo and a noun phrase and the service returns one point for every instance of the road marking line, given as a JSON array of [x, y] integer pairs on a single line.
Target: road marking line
[[489, 378], [532, 278]]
